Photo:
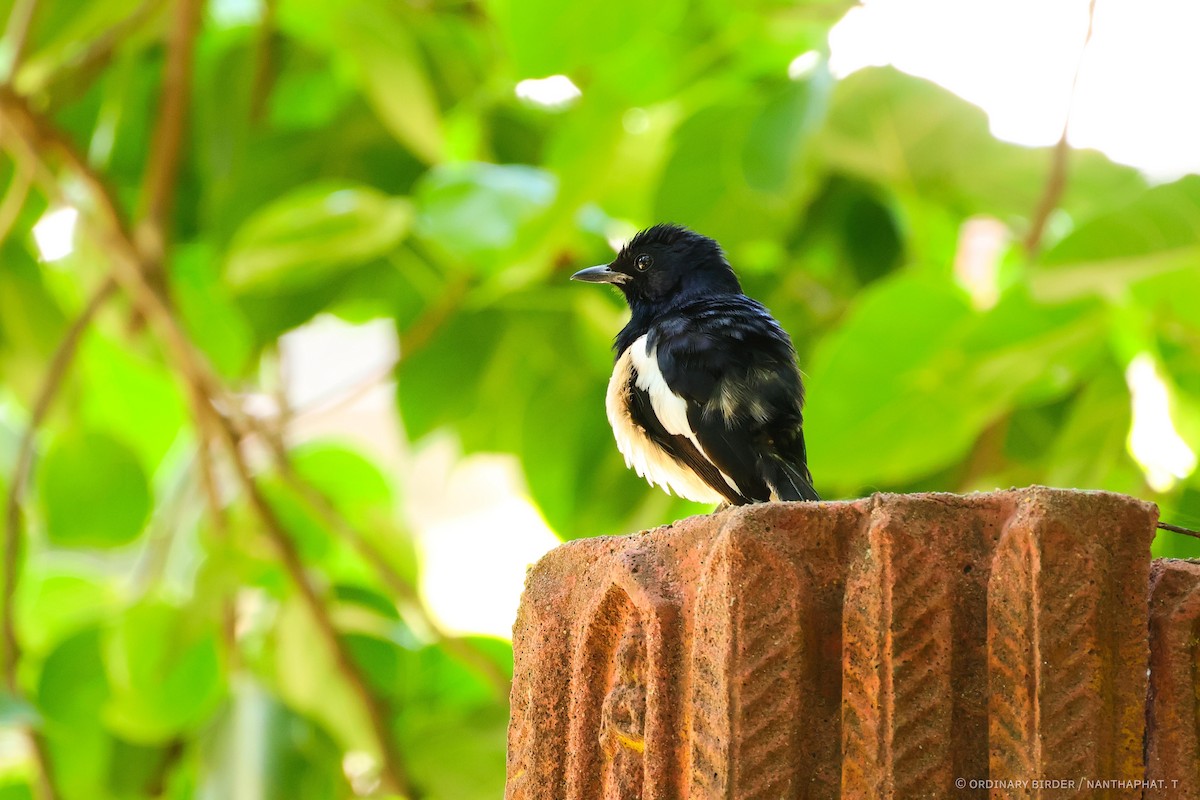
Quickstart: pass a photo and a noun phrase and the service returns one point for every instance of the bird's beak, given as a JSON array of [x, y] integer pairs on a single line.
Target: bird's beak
[[600, 274]]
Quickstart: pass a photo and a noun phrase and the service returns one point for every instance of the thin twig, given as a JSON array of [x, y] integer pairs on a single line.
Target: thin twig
[[342, 396], [416, 336], [337, 522], [211, 486], [1056, 182], [399, 585], [264, 61], [1177, 529], [41, 138], [16, 36], [166, 145], [15, 197], [162, 165]]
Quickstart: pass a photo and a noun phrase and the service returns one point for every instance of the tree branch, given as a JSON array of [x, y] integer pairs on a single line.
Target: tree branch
[[1056, 182], [15, 197], [399, 585], [162, 165], [211, 486], [264, 61], [1178, 529], [423, 329], [41, 138]]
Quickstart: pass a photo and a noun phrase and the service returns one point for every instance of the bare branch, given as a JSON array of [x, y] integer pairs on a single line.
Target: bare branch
[[426, 326], [1056, 182], [264, 61], [150, 234], [162, 165], [399, 585], [1178, 529], [15, 197], [41, 139]]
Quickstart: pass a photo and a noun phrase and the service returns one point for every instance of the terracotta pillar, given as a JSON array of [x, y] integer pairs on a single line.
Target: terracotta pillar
[[1173, 752], [898, 646]]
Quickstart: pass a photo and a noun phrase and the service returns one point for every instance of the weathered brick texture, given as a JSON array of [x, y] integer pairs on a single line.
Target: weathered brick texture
[[1173, 751], [888, 647]]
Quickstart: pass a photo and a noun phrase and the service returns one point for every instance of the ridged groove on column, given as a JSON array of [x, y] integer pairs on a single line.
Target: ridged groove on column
[[1081, 559], [1013, 659], [813, 544], [623, 716], [1174, 708], [745, 671], [897, 635], [865, 694], [597, 687]]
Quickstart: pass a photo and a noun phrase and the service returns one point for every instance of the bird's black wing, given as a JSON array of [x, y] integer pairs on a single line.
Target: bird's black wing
[[735, 369], [681, 448]]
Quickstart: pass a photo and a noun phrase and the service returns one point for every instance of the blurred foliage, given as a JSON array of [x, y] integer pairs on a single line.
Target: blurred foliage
[[370, 159]]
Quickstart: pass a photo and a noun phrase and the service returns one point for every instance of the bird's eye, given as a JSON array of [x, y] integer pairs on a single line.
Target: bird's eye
[[643, 262]]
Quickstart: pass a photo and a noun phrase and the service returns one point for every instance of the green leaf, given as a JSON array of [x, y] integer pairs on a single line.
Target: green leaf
[[922, 140], [315, 232], [164, 671], [16, 791], [29, 316], [72, 686], [451, 728], [63, 32], [361, 492], [372, 37], [480, 215], [71, 691], [752, 147], [132, 395], [353, 483], [56, 601], [214, 322], [1090, 451], [913, 376], [94, 492], [876, 412], [622, 45], [1155, 234], [458, 756], [309, 680], [260, 748], [458, 355]]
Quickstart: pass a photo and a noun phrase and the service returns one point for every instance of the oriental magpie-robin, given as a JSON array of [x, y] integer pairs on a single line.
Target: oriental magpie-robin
[[705, 397]]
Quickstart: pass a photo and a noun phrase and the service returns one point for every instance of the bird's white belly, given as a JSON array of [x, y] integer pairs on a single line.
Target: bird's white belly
[[641, 453]]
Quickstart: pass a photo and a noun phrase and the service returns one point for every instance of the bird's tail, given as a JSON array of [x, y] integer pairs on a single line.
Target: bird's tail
[[789, 481]]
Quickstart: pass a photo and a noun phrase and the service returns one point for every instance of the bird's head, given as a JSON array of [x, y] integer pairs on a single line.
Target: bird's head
[[666, 264]]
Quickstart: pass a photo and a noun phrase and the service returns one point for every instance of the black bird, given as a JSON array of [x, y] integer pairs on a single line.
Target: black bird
[[705, 397]]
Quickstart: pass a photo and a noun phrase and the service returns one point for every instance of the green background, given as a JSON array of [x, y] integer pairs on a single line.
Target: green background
[[458, 212]]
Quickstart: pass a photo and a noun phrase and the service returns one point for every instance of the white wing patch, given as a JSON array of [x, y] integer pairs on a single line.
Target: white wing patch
[[646, 458], [670, 408]]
